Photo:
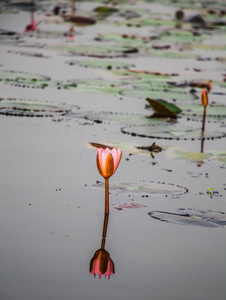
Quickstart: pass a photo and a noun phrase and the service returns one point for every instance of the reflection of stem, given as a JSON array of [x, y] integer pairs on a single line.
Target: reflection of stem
[[106, 196], [73, 9], [104, 234], [32, 17], [204, 119], [202, 144]]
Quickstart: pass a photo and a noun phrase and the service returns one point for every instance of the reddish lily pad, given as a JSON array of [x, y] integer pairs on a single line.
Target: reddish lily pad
[[130, 205], [192, 217], [79, 20]]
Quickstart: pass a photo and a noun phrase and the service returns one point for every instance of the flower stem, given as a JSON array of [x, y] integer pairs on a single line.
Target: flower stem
[[204, 119], [106, 196]]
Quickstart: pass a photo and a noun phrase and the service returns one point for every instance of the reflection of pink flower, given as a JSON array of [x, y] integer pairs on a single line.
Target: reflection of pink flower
[[108, 161], [102, 264], [31, 27]]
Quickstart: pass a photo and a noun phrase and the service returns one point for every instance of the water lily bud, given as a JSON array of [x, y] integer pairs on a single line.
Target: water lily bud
[[108, 161], [204, 98]]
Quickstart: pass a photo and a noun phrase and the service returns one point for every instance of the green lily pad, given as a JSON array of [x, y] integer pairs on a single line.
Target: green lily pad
[[144, 188], [157, 93], [182, 36], [175, 132], [192, 217], [100, 64], [105, 11], [22, 79], [31, 108], [196, 157], [103, 51], [125, 119], [213, 112], [164, 108], [143, 22], [125, 39], [27, 80], [24, 6], [96, 86]]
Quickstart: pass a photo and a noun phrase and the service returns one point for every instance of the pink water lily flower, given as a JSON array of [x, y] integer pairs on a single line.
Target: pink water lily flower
[[108, 161], [102, 264]]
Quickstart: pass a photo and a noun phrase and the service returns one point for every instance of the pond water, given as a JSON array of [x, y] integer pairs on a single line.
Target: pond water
[[65, 91]]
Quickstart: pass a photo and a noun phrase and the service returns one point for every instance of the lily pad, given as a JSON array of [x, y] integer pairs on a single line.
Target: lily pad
[[164, 108], [27, 80], [100, 64], [103, 51], [144, 188], [213, 112], [175, 132], [168, 95], [192, 217], [105, 11], [197, 157], [23, 79], [125, 119], [78, 20], [31, 108], [182, 36], [125, 39], [24, 6]]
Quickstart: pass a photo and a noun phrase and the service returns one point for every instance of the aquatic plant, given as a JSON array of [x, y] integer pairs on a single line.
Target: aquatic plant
[[107, 163]]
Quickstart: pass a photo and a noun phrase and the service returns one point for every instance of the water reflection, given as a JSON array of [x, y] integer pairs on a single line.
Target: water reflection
[[101, 263], [202, 144], [32, 26]]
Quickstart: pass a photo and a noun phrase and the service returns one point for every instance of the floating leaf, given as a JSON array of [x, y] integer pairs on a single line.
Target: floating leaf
[[97, 51], [24, 6], [105, 10], [157, 93], [194, 217], [164, 108], [144, 188], [78, 20], [213, 112], [125, 119], [175, 132], [100, 64], [197, 157], [26, 108]]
